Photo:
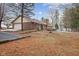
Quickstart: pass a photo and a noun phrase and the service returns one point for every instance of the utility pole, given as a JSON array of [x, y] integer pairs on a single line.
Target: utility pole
[[22, 15]]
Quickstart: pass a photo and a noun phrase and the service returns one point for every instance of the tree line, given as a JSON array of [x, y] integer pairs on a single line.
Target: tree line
[[71, 17]]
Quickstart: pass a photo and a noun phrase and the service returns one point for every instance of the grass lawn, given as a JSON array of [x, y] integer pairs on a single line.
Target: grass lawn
[[43, 43]]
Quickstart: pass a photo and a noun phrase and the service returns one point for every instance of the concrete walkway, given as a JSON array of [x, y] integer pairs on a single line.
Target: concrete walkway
[[4, 36]]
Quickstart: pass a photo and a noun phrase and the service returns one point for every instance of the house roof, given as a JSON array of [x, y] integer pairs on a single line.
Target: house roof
[[18, 20]]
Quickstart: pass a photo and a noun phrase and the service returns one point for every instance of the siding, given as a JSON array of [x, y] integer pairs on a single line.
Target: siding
[[17, 27]]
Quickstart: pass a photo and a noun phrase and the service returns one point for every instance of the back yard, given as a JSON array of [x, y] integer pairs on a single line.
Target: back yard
[[43, 43]]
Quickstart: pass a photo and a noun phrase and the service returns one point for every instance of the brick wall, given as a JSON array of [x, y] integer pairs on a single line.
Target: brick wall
[[29, 26], [32, 25]]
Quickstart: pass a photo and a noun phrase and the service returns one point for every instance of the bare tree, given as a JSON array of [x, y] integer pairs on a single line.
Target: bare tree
[[51, 16], [26, 9], [19, 9], [1, 13], [54, 15], [67, 18]]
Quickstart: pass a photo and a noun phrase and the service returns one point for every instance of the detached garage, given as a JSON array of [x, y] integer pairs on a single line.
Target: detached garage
[[28, 24]]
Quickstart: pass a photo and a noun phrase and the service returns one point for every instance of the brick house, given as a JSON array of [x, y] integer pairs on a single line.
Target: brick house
[[28, 24]]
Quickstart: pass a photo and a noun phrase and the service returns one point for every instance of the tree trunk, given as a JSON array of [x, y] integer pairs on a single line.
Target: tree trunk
[[22, 16], [1, 14], [0, 24]]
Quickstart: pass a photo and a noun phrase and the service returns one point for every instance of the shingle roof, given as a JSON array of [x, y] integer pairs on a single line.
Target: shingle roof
[[29, 20]]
